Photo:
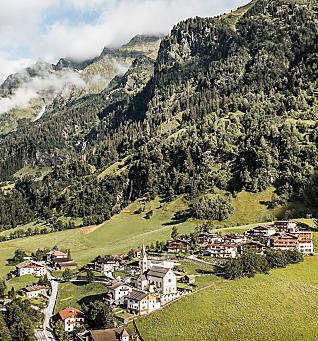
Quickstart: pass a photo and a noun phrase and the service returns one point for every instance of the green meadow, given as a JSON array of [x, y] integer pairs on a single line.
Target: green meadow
[[74, 294], [280, 306]]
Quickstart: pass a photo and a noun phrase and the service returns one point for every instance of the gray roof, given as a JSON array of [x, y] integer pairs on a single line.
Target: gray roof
[[115, 285], [158, 271]]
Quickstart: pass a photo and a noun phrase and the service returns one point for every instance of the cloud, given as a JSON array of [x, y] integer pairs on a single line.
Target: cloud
[[8, 67], [55, 83], [51, 29]]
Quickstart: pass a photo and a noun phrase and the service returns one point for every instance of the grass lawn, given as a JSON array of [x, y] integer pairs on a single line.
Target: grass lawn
[[195, 269], [79, 293], [280, 306], [21, 282], [200, 282]]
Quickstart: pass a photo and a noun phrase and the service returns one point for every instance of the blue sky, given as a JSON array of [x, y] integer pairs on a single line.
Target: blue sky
[[51, 29]]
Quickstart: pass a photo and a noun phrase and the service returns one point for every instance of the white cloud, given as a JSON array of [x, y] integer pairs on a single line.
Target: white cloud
[[24, 23], [8, 67], [55, 83]]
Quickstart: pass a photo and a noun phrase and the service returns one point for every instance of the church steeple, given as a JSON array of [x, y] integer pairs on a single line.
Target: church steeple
[[143, 260]]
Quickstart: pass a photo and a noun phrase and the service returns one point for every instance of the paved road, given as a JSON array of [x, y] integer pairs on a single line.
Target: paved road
[[47, 333]]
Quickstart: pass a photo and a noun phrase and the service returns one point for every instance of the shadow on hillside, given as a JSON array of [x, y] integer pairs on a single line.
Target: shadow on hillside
[[88, 299]]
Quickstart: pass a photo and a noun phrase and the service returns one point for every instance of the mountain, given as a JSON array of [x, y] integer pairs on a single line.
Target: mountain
[[25, 95], [230, 103]]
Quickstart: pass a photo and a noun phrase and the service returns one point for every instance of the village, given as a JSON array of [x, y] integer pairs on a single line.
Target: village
[[146, 280]]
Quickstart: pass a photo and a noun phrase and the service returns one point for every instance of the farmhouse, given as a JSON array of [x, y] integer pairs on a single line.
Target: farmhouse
[[33, 291], [72, 318], [115, 334], [117, 292], [108, 263], [178, 245], [30, 267], [56, 254], [140, 303]]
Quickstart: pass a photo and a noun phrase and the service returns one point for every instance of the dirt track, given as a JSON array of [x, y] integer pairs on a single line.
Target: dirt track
[[89, 229]]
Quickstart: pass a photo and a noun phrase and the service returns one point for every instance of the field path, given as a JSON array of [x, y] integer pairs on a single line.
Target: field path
[[89, 229]]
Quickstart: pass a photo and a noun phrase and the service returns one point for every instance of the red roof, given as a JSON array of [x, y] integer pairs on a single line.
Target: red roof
[[70, 313]]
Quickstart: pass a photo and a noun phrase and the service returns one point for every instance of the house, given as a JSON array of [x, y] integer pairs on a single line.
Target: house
[[263, 231], [305, 242], [107, 263], [115, 334], [56, 254], [285, 225], [30, 267], [178, 245], [141, 303], [71, 318], [223, 250], [190, 279], [117, 292], [209, 238], [155, 279], [283, 241], [34, 291], [260, 248], [63, 264], [233, 238]]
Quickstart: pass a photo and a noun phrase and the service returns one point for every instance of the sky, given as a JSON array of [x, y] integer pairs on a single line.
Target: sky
[[79, 29]]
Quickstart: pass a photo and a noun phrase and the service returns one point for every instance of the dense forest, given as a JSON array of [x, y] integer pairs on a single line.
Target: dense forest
[[230, 103]]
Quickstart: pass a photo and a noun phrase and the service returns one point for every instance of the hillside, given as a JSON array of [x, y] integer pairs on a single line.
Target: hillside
[[274, 307], [229, 105]]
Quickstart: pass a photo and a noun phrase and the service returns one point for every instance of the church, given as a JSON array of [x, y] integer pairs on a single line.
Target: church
[[155, 278]]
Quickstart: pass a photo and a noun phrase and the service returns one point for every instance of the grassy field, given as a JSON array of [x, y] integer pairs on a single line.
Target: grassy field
[[280, 306], [78, 293], [21, 282]]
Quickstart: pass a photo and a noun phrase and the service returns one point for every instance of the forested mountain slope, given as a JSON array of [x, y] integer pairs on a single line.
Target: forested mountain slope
[[229, 104], [26, 95]]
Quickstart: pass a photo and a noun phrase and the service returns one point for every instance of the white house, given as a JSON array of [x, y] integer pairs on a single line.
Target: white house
[[140, 303], [30, 267], [33, 291], [72, 318], [117, 292], [223, 250]]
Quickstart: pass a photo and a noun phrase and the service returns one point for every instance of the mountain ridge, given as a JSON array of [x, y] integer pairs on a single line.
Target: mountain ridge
[[223, 109]]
